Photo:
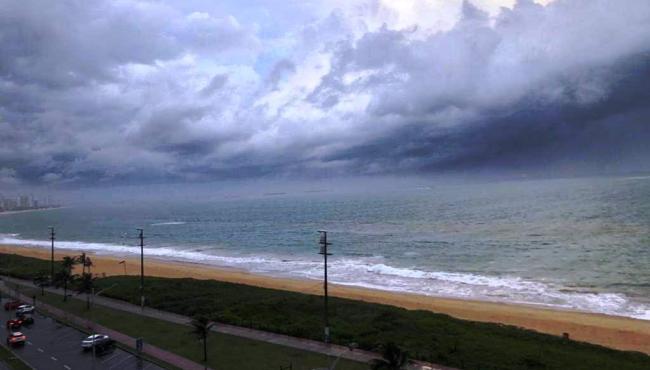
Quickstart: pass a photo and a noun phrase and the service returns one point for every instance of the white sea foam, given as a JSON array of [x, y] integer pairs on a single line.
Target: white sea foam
[[169, 223], [373, 273]]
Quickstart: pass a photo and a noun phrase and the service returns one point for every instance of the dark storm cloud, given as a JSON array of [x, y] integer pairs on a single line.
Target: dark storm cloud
[[607, 135], [70, 91], [579, 106], [137, 91]]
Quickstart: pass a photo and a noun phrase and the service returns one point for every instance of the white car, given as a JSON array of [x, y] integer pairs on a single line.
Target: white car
[[94, 340], [23, 309]]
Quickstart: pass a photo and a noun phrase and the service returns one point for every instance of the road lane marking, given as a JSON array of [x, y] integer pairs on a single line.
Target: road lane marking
[[30, 343], [67, 367], [54, 358], [112, 357], [120, 362], [40, 350]]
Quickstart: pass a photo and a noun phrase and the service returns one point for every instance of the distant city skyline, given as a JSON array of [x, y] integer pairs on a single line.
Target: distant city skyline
[[109, 93], [22, 202]]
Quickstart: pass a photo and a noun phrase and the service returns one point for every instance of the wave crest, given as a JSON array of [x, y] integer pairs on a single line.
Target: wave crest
[[370, 273]]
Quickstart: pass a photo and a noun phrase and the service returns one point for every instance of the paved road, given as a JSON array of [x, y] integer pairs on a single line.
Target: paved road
[[52, 345]]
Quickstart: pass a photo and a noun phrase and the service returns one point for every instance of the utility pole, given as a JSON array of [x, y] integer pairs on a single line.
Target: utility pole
[[52, 234], [141, 236], [323, 250]]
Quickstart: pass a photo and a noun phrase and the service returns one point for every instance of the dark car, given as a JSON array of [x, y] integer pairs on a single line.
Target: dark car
[[12, 305], [27, 318], [104, 347], [44, 282], [16, 339]]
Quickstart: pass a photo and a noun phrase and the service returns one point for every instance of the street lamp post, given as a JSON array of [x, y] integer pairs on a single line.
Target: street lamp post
[[323, 250], [141, 236], [52, 234]]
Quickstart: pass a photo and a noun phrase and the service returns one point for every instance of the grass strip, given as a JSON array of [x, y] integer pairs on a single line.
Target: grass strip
[[224, 351], [10, 359]]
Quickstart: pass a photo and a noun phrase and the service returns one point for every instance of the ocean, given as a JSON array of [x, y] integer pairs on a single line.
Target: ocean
[[567, 243]]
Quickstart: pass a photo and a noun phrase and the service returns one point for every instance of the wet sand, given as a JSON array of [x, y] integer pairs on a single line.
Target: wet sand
[[611, 331]]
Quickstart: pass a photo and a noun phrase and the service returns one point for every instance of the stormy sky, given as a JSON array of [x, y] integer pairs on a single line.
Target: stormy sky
[[114, 92]]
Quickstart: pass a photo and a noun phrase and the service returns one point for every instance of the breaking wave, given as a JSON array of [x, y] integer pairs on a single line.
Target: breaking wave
[[371, 272], [169, 223]]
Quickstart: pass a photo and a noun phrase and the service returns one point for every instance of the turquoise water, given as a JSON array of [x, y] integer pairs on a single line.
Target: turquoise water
[[577, 243]]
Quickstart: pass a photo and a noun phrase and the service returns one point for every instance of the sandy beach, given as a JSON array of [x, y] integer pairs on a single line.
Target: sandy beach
[[611, 331]]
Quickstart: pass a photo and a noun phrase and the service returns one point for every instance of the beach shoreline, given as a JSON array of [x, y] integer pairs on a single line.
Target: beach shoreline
[[6, 213], [611, 331]]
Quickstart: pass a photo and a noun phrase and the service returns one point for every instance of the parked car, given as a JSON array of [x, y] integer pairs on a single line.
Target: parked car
[[104, 347], [16, 339], [12, 305], [44, 282], [14, 324], [27, 318], [23, 309], [94, 340]]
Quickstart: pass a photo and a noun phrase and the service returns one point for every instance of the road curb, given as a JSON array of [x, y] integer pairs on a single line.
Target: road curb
[[17, 356]]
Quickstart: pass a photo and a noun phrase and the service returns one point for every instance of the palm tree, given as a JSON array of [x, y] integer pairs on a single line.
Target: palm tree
[[201, 326], [65, 276], [86, 283], [85, 262], [393, 358], [41, 281]]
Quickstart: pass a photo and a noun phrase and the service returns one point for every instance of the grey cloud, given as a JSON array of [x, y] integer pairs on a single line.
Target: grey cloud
[[120, 92], [8, 176], [216, 83], [534, 89], [78, 42], [604, 136], [279, 70]]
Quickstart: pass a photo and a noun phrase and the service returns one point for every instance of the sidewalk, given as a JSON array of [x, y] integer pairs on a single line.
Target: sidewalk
[[148, 349], [259, 335]]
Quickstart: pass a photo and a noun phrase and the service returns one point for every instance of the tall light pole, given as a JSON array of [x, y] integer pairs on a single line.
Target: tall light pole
[[52, 234], [323, 250], [141, 236]]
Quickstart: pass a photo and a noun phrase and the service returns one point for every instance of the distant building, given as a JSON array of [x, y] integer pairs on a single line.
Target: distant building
[[9, 204], [24, 201]]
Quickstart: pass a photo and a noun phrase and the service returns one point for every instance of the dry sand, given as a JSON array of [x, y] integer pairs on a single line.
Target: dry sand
[[611, 331]]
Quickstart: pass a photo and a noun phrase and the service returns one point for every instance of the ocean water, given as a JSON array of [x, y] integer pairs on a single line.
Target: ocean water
[[571, 243]]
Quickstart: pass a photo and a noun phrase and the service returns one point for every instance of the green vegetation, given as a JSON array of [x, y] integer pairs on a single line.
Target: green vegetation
[[25, 267], [7, 357], [225, 351], [424, 335]]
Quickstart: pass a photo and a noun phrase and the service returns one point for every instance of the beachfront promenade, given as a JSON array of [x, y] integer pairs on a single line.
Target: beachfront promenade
[[303, 344]]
